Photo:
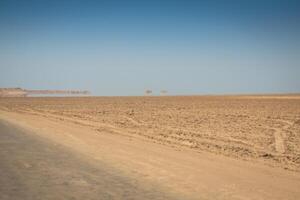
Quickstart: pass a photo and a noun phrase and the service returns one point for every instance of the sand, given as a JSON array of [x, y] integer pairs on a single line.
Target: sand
[[201, 147]]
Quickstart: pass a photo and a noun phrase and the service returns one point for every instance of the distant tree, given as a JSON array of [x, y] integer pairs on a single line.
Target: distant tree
[[148, 92], [163, 92]]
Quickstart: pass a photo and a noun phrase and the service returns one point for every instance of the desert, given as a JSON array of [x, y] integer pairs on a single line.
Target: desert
[[149, 100], [256, 135], [262, 129]]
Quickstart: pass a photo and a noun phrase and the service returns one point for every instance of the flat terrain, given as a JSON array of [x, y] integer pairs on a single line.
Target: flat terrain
[[230, 147], [259, 128]]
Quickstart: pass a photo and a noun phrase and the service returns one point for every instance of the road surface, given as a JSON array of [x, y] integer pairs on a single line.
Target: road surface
[[63, 160], [34, 168]]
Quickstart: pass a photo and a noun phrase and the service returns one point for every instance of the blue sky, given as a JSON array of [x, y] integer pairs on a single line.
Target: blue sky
[[125, 47]]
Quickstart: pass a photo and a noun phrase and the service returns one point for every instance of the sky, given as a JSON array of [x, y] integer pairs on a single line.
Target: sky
[[117, 48]]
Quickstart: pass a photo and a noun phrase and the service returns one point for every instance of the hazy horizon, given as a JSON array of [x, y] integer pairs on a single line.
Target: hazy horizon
[[122, 48]]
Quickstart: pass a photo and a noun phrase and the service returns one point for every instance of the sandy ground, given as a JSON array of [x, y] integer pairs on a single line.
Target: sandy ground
[[113, 131], [33, 168], [255, 128]]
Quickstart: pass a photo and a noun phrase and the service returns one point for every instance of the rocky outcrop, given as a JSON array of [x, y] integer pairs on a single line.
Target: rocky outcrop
[[12, 92]]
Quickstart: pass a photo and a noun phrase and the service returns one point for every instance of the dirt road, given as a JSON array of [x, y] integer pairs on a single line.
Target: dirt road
[[33, 168], [62, 160]]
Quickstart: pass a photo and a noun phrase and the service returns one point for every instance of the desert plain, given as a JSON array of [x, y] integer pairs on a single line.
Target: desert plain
[[191, 147]]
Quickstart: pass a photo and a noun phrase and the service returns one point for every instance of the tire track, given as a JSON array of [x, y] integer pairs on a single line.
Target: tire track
[[280, 135]]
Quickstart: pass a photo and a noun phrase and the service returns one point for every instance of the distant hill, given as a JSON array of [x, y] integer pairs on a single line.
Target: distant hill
[[19, 92]]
